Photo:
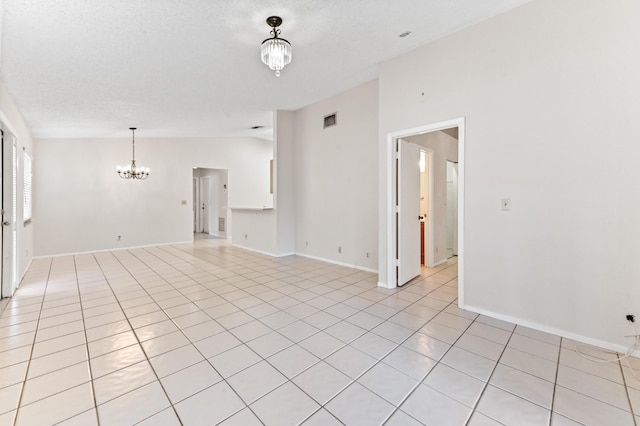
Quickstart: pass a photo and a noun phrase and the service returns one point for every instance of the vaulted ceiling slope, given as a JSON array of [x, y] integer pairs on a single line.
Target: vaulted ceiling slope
[[192, 68]]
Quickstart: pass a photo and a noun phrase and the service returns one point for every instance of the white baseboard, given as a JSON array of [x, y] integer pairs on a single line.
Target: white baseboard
[[348, 265], [261, 252], [552, 330], [78, 253]]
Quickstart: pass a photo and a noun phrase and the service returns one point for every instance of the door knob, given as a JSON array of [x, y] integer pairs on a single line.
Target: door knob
[[6, 223]]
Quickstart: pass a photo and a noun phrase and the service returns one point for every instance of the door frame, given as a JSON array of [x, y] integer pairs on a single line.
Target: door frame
[[390, 210], [9, 238]]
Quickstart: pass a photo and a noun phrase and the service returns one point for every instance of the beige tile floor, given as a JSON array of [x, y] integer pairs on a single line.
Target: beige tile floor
[[205, 333]]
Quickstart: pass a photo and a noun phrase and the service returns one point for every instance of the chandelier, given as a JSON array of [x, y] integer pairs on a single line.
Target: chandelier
[[275, 52], [133, 171]]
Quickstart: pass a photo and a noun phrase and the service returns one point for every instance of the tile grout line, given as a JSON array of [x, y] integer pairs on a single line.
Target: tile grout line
[[86, 340], [289, 380], [555, 380], [421, 381], [26, 374], [626, 388], [486, 385], [140, 345], [191, 343]]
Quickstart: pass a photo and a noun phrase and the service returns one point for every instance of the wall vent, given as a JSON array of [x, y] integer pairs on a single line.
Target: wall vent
[[330, 120], [221, 224]]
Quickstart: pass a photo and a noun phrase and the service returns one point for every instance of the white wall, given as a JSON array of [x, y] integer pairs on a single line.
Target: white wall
[[12, 118], [255, 230], [335, 176], [551, 95], [284, 181], [272, 231], [445, 148], [83, 205]]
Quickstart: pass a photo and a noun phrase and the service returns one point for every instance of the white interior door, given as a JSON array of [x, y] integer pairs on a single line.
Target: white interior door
[[408, 211], [205, 201], [9, 213]]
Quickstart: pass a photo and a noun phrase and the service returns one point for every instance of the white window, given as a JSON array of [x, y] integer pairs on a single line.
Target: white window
[[27, 188]]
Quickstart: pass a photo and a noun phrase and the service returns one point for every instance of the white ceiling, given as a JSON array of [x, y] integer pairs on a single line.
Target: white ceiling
[[191, 68]]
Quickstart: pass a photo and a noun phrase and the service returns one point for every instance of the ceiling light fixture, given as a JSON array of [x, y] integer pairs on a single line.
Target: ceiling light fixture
[[133, 171], [275, 52]]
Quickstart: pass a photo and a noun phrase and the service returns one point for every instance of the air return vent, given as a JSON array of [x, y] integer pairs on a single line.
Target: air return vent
[[330, 120]]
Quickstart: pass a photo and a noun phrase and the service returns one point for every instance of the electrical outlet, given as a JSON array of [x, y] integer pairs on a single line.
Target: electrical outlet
[[119, 237], [339, 249], [367, 255], [631, 318]]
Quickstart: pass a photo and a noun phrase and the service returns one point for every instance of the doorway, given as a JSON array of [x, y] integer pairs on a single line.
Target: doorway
[[9, 213], [400, 266], [210, 195]]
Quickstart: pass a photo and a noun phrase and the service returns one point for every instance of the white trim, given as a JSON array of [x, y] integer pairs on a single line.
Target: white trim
[[552, 330], [260, 251], [389, 211], [461, 186], [77, 253], [348, 265]]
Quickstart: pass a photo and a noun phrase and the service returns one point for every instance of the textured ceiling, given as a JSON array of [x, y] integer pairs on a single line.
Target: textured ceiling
[[191, 68]]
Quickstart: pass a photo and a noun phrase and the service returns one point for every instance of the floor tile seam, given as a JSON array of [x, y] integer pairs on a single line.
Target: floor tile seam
[[67, 418], [595, 398], [58, 391], [203, 356], [163, 248], [595, 375], [320, 409], [488, 383], [418, 383], [624, 381], [147, 359], [17, 334], [33, 345], [61, 335], [538, 340], [535, 355], [60, 368], [320, 406], [84, 329]]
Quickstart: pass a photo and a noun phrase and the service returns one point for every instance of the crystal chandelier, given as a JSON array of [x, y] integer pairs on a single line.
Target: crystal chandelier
[[275, 52], [133, 171]]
